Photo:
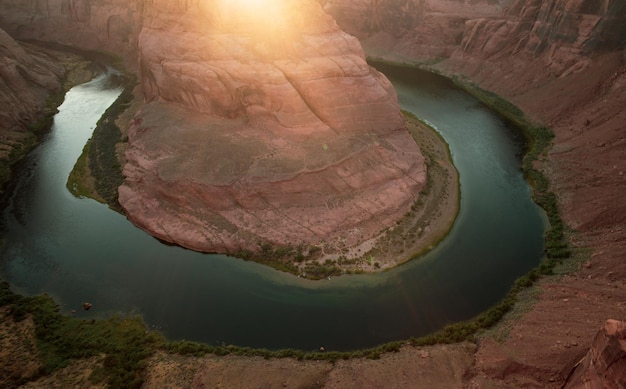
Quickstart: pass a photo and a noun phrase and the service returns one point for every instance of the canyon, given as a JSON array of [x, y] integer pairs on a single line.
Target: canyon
[[562, 62]]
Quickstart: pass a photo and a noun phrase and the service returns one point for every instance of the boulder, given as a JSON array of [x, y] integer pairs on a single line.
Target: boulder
[[604, 366]]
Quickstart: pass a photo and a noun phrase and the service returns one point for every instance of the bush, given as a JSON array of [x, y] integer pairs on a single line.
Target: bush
[[61, 339]]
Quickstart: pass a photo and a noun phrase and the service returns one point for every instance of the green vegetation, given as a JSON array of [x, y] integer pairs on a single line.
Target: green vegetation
[[301, 260], [123, 344], [99, 158], [198, 350], [538, 140]]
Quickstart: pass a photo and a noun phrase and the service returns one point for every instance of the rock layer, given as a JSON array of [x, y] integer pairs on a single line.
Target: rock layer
[[27, 78], [417, 29], [307, 141], [284, 136], [604, 366], [109, 25]]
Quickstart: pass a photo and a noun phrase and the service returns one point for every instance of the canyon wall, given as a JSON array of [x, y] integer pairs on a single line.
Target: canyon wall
[[27, 78], [561, 35], [110, 26], [417, 29], [564, 63]]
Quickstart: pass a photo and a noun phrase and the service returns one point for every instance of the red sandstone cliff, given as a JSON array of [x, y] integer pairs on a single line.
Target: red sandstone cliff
[[262, 124], [564, 63], [604, 366], [27, 78], [109, 25], [252, 135], [416, 29]]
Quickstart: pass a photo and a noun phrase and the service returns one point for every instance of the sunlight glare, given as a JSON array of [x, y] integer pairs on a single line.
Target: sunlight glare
[[270, 23], [257, 13]]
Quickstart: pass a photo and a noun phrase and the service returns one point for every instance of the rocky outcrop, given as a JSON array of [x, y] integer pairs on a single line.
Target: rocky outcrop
[[27, 78], [560, 33], [260, 132], [604, 366], [289, 136], [563, 34], [415, 29], [110, 25]]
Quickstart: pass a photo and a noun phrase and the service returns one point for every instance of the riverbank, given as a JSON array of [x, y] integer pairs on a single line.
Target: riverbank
[[98, 171], [584, 167], [38, 95], [431, 217]]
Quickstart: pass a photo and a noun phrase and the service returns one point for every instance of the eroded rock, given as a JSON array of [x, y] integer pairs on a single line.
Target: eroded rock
[[604, 366], [27, 78], [254, 134]]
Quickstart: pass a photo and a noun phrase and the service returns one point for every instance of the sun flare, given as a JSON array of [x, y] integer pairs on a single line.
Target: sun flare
[[257, 11], [263, 19]]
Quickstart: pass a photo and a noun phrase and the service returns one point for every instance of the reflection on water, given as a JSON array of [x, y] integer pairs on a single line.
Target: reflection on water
[[78, 250]]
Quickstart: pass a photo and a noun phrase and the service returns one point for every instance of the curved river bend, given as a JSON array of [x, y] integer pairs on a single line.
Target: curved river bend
[[78, 250]]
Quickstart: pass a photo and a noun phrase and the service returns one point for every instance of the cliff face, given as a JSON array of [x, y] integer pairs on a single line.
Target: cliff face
[[416, 29], [282, 135], [108, 25], [27, 78], [604, 366], [562, 34], [564, 63]]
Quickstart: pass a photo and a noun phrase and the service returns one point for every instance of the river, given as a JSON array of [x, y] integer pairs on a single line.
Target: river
[[78, 250]]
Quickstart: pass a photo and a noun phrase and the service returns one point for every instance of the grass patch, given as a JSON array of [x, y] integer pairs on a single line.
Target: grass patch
[[98, 173]]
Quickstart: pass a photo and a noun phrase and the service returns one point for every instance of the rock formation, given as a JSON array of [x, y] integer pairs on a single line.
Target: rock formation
[[563, 34], [418, 29], [109, 25], [604, 366], [254, 135], [250, 134], [27, 78]]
